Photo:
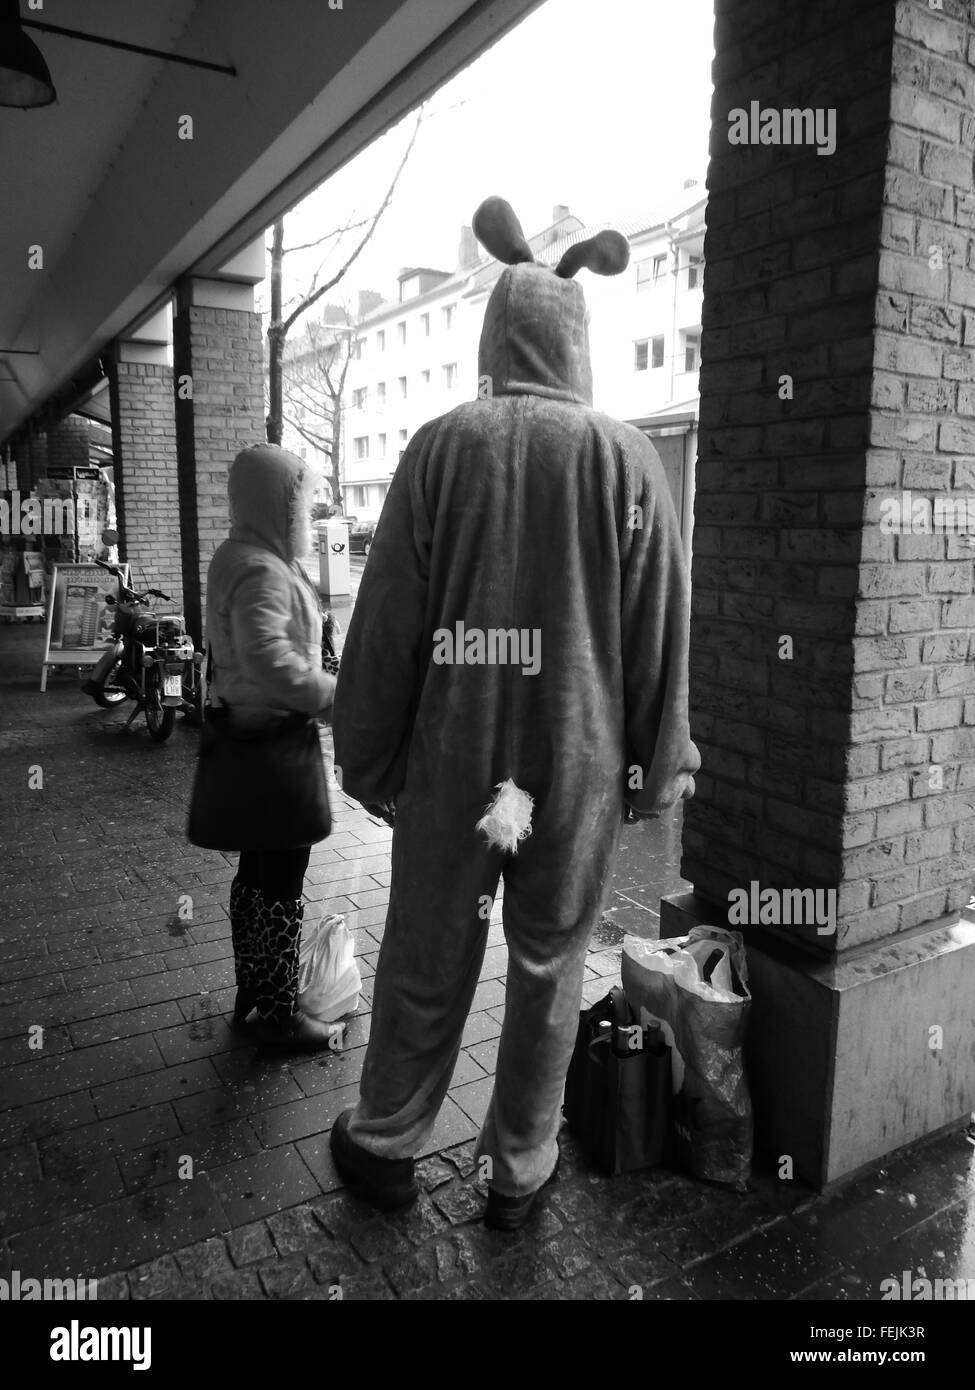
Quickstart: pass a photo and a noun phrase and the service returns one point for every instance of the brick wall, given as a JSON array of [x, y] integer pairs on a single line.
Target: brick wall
[[911, 835], [808, 777], [222, 349], [67, 446], [146, 491]]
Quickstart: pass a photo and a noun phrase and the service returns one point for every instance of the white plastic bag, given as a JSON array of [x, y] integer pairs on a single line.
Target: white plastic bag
[[328, 976]]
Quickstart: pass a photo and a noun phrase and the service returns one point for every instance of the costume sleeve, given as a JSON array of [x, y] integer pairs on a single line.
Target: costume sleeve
[[655, 623], [379, 673], [260, 610]]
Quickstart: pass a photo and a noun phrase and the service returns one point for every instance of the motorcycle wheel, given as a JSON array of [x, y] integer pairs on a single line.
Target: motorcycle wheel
[[110, 693], [160, 718]]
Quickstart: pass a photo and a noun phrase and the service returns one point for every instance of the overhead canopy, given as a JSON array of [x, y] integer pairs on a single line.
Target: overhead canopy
[[121, 206]]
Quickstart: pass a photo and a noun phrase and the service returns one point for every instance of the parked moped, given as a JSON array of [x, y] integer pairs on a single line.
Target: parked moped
[[151, 661]]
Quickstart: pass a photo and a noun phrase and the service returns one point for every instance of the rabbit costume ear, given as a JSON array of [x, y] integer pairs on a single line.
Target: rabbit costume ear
[[499, 232], [606, 253]]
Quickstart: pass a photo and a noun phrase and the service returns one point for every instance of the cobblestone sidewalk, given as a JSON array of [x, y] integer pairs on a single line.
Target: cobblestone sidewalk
[[135, 1072]]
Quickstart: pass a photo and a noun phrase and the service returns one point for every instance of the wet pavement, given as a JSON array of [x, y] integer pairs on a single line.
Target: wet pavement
[[145, 1144]]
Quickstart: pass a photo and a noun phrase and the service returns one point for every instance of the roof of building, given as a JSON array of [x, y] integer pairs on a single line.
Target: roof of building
[[547, 249]]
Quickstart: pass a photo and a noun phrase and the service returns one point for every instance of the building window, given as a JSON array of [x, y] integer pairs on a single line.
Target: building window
[[644, 273], [402, 387], [425, 322], [448, 315], [381, 393], [381, 340], [401, 330], [695, 266], [359, 398], [360, 446], [659, 265], [303, 451], [402, 441], [641, 355], [425, 376], [692, 348], [356, 350], [450, 375], [382, 446], [358, 498], [657, 352]]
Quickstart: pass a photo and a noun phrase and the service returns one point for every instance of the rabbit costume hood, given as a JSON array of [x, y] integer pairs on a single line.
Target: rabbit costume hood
[[510, 521]]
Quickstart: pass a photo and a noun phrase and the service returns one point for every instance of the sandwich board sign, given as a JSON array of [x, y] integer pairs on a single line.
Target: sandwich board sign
[[79, 621]]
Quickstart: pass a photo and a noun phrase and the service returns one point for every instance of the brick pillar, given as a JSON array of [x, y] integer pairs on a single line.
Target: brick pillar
[[836, 356], [144, 445], [218, 345]]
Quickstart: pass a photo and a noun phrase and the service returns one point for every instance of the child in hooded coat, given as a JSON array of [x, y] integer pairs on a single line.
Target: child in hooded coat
[[530, 516]]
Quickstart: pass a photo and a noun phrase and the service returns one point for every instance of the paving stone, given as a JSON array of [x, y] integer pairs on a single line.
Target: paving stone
[[362, 1287], [242, 1284], [295, 1229], [113, 1288], [343, 1214], [173, 1083], [433, 1172], [468, 1292], [377, 1241], [459, 1203], [773, 1264], [247, 1244], [158, 1277], [412, 1273], [594, 1284], [264, 1183], [462, 1158], [332, 1260], [206, 1148], [205, 1261], [568, 1255], [419, 1222], [474, 1098], [286, 1277], [119, 1234], [30, 1122], [516, 1274]]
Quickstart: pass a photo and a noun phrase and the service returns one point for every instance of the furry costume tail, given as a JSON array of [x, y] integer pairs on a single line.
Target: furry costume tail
[[508, 818]]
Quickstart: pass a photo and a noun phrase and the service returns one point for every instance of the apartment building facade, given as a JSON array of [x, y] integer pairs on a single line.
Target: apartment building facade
[[415, 356]]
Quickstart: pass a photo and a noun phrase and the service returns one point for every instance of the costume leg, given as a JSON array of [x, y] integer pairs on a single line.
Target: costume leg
[[444, 878], [554, 890]]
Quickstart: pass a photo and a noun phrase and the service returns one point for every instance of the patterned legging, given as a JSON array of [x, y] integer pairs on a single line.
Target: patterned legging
[[265, 915]]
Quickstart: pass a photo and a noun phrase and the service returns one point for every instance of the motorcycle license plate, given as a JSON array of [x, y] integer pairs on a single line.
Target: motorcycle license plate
[[172, 685]]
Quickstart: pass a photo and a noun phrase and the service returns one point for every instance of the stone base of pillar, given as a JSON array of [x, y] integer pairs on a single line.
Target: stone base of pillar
[[851, 1059]]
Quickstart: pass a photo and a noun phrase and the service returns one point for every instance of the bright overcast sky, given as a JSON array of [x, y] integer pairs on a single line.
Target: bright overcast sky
[[602, 105]]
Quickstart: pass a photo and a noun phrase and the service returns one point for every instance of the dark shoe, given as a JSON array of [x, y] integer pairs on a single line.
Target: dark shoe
[[511, 1213], [387, 1183], [299, 1034]]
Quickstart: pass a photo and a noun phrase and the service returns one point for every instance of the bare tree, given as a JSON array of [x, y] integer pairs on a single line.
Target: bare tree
[[313, 390], [281, 322]]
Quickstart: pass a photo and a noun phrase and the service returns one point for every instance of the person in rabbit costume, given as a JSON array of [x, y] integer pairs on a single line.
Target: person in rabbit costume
[[515, 672]]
